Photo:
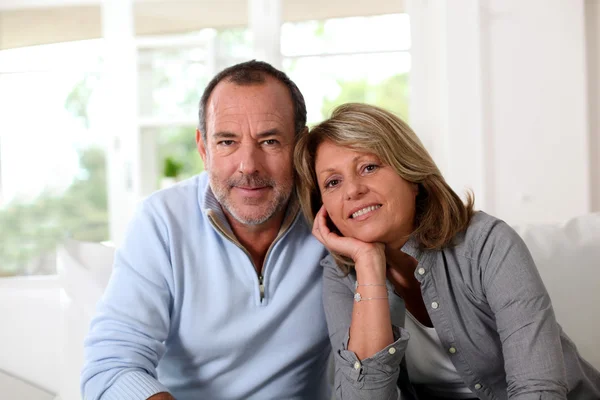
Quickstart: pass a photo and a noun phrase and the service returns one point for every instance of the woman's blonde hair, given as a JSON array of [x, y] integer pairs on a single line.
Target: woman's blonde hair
[[440, 214]]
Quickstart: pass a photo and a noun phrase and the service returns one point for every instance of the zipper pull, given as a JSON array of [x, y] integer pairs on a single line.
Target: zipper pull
[[261, 287]]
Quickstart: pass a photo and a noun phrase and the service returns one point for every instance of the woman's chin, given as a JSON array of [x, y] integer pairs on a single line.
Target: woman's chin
[[366, 236]]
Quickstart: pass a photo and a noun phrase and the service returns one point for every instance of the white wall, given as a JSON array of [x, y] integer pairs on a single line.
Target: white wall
[[592, 14], [506, 84], [539, 117]]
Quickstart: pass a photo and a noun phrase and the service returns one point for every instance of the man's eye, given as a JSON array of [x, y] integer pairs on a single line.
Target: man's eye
[[225, 143], [271, 142]]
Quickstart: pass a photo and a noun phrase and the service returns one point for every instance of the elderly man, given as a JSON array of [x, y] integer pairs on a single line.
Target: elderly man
[[216, 290]]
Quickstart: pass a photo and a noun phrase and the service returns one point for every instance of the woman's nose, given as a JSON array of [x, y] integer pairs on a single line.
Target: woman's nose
[[355, 188]]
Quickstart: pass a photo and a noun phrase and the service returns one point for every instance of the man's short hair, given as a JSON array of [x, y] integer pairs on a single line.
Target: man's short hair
[[252, 73]]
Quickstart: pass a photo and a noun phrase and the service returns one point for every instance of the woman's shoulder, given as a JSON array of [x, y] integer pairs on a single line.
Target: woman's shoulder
[[484, 230]]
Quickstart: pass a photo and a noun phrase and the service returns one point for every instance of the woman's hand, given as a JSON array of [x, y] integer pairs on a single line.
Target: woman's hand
[[368, 257]]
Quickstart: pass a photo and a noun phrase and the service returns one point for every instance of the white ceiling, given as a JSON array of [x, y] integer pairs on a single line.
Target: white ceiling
[[32, 22]]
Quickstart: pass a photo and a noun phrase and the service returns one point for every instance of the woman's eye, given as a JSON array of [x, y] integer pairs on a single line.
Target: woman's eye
[[371, 167], [332, 183]]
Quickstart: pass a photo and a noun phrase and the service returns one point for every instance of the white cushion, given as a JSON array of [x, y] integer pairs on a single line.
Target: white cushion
[[568, 259]]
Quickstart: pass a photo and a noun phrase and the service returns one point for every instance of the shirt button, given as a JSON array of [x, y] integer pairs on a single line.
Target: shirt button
[[421, 271], [392, 350], [452, 350], [356, 365], [477, 386], [435, 305]]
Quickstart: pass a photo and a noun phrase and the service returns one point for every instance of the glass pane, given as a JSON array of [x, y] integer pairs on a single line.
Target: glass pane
[[178, 145], [171, 80], [173, 154], [380, 79], [52, 164], [346, 35]]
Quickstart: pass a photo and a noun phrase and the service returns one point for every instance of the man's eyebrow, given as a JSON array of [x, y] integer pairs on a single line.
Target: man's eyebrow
[[270, 132], [224, 135]]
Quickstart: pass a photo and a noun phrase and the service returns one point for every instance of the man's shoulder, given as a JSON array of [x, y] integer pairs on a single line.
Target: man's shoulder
[[182, 195]]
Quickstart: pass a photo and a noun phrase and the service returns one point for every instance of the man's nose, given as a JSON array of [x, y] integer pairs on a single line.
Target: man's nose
[[249, 160]]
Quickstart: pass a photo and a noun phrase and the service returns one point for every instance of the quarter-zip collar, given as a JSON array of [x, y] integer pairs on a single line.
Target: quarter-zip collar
[[212, 209]]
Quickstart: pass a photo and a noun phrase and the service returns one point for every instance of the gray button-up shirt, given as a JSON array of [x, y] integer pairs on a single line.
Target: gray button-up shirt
[[491, 312]]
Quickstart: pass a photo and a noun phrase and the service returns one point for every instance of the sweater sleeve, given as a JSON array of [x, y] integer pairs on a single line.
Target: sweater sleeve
[[127, 334], [374, 377], [530, 335]]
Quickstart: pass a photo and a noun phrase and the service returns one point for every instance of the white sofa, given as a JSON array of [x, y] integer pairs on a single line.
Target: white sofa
[[568, 259], [30, 330], [567, 256], [84, 270]]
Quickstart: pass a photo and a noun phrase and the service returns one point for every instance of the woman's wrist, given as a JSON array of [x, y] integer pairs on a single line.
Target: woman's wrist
[[370, 272]]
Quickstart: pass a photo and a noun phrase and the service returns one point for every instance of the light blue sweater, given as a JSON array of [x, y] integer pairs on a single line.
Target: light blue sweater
[[183, 312]]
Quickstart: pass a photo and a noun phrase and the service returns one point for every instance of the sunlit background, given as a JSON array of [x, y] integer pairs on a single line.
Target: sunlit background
[[98, 104], [88, 127], [98, 101]]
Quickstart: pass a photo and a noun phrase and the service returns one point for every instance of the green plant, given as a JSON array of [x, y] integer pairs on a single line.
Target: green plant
[[172, 168]]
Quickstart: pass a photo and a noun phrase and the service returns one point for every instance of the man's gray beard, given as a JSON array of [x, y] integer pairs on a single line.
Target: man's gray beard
[[283, 195], [279, 203]]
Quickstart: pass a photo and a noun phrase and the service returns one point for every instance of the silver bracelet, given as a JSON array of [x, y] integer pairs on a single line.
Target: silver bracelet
[[358, 298], [368, 284]]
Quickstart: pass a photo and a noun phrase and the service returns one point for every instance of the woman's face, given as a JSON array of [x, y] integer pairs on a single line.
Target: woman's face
[[365, 198]]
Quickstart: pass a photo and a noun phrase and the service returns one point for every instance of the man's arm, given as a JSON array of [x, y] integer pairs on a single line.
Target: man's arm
[[127, 334]]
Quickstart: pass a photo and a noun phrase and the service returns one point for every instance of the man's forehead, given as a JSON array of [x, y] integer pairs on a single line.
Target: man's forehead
[[264, 103], [234, 115]]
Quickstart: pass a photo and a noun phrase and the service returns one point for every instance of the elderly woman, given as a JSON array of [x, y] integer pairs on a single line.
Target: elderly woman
[[425, 298]]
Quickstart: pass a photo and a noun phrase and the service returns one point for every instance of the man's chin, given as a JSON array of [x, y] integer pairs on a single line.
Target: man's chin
[[251, 217], [252, 220], [250, 213]]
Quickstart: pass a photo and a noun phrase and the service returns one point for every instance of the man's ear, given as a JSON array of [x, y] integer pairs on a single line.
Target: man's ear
[[201, 147]]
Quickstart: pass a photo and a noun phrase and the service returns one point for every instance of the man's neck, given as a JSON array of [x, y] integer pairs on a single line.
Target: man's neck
[[257, 239]]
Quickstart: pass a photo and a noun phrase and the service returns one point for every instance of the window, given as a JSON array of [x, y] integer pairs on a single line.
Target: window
[[52, 163], [355, 59]]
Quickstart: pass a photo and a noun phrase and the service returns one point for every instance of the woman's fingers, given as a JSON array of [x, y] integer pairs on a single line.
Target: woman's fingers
[[316, 230], [347, 246]]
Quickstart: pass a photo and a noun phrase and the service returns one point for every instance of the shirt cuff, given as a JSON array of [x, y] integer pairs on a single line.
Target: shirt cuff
[[383, 363], [134, 385]]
